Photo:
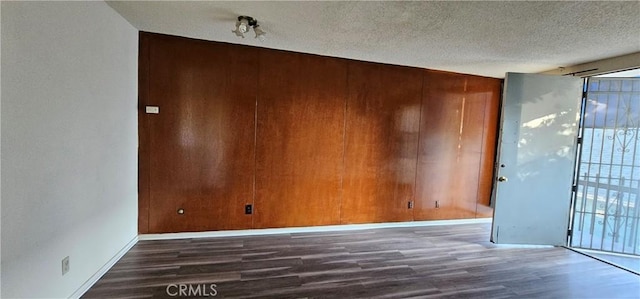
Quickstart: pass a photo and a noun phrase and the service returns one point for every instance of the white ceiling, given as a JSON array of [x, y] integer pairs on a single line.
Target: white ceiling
[[483, 38]]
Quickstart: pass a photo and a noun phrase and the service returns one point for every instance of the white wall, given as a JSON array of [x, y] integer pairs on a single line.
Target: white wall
[[0, 151], [68, 143]]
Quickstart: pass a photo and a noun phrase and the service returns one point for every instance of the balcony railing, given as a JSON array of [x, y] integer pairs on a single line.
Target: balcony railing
[[607, 215]]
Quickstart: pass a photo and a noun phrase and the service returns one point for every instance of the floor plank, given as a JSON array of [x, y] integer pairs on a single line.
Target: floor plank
[[416, 262]]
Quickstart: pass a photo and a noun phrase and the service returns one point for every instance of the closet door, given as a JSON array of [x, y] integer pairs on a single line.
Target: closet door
[[200, 162], [300, 140], [383, 116]]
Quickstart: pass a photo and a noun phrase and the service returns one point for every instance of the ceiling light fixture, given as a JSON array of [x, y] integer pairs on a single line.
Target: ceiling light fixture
[[243, 24]]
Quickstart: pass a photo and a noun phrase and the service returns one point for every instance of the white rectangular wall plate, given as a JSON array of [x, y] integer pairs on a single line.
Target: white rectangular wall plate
[[152, 109]]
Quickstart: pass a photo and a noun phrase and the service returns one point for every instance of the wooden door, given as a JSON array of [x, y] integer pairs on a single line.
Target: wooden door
[[300, 139], [454, 160], [199, 155], [382, 124]]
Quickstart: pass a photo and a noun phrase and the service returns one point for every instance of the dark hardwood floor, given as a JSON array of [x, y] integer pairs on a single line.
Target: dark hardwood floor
[[422, 262]]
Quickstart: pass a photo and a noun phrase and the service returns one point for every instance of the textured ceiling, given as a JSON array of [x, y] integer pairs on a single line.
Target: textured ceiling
[[483, 38]]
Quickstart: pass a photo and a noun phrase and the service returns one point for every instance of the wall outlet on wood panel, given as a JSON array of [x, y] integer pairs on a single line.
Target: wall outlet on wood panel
[[410, 205], [248, 209], [437, 204]]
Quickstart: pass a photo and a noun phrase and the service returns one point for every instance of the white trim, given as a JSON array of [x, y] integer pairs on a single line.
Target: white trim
[[527, 246], [590, 254], [634, 73], [306, 229], [607, 253], [94, 278], [600, 67]]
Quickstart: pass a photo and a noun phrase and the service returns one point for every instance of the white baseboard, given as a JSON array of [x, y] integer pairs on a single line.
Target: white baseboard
[[94, 278], [306, 229], [522, 246]]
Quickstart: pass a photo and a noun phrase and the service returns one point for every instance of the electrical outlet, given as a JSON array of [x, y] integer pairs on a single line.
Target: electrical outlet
[[437, 204], [65, 265], [248, 209]]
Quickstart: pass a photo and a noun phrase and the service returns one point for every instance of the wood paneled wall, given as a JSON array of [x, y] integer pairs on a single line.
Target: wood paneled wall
[[455, 156], [200, 147], [300, 139], [306, 140], [381, 144]]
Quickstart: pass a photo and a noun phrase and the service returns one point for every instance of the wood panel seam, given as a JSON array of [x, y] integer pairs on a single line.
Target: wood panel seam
[[415, 181], [344, 141], [482, 151]]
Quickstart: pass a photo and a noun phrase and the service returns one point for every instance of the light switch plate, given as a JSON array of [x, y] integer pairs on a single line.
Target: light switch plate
[[152, 109], [65, 265]]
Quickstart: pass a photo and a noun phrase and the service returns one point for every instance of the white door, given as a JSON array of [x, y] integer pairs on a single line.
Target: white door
[[538, 137]]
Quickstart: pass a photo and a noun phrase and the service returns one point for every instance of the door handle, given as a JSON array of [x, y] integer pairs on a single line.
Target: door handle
[[502, 179]]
